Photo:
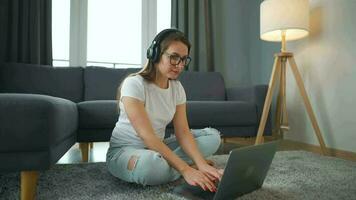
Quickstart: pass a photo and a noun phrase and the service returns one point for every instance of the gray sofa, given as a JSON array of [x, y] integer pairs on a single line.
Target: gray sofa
[[234, 111], [44, 110]]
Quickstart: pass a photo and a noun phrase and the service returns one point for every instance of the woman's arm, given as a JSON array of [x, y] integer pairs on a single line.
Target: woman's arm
[[187, 142], [139, 119], [184, 136]]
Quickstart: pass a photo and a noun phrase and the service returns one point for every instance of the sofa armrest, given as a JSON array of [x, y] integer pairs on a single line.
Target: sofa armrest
[[256, 94], [31, 122]]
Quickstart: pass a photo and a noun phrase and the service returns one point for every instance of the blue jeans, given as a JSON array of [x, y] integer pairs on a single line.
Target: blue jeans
[[150, 168]]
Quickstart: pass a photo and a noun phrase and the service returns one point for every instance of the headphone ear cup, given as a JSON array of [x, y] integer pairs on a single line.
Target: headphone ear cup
[[152, 52], [156, 52], [149, 53]]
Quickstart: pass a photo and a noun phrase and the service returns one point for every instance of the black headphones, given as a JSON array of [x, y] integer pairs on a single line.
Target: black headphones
[[154, 51]]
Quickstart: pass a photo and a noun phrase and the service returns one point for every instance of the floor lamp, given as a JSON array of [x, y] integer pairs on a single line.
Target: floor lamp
[[281, 21]]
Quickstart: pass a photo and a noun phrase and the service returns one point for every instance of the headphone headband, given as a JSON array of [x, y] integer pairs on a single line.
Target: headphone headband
[[153, 51]]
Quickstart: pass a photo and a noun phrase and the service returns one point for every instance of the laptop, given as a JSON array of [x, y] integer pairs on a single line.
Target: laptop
[[245, 171]]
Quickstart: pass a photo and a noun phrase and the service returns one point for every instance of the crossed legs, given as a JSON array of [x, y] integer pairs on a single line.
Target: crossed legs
[[147, 167]]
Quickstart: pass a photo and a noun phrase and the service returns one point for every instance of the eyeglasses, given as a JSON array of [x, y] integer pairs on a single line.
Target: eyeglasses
[[175, 59]]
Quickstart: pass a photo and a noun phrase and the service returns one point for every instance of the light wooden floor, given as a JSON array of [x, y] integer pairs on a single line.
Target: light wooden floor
[[98, 153]]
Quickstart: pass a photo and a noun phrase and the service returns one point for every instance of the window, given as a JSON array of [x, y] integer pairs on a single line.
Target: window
[[60, 32], [163, 14], [114, 32], [111, 33]]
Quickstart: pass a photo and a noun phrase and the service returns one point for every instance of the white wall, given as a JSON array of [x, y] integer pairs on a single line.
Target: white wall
[[326, 60], [327, 63]]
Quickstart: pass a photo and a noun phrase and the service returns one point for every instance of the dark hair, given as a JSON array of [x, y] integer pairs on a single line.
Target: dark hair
[[148, 72]]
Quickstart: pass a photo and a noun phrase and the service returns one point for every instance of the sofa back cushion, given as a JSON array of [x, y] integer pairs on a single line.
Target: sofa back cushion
[[203, 86], [101, 83], [64, 82]]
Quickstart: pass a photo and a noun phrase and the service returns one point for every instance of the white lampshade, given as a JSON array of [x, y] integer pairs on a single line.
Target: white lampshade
[[291, 16]]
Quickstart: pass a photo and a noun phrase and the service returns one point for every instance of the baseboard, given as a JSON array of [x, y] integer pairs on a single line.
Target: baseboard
[[348, 155], [247, 140], [295, 145]]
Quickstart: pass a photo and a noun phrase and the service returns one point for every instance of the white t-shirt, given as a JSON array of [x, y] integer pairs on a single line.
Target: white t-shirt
[[160, 105]]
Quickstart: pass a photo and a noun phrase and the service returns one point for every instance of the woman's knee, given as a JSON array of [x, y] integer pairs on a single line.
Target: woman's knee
[[210, 142], [150, 168]]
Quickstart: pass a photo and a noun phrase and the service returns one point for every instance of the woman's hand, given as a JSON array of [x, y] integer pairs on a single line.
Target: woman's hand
[[211, 172], [198, 178]]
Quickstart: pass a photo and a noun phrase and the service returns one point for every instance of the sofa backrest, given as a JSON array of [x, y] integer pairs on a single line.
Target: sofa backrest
[[101, 83], [203, 86], [64, 82], [95, 83]]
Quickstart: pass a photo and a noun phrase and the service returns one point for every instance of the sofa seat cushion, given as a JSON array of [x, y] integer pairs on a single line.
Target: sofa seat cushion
[[99, 114], [103, 114], [221, 113]]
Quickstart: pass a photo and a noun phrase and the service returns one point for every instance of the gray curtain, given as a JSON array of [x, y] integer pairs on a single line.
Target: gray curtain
[[194, 18], [225, 38], [26, 31]]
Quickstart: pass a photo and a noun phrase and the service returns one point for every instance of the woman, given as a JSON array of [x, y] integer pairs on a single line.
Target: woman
[[148, 101]]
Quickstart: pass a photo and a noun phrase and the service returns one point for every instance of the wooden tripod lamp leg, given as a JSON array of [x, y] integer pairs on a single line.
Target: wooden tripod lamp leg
[[268, 100], [277, 131], [284, 120], [307, 104]]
